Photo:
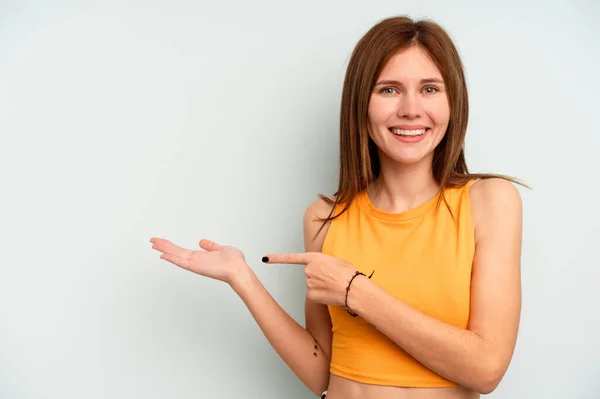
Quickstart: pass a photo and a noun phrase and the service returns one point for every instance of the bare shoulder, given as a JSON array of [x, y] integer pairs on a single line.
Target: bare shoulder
[[494, 189], [494, 200], [317, 210]]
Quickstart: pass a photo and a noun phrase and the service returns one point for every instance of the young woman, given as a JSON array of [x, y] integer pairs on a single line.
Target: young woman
[[413, 266]]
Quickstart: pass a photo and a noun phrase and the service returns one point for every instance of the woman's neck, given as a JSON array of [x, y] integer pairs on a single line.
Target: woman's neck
[[403, 187]]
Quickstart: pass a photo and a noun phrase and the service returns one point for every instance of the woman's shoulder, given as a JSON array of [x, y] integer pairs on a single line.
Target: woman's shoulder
[[493, 198], [314, 229], [489, 191]]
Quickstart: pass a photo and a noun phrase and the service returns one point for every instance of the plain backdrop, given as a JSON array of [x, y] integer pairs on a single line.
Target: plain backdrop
[[124, 120]]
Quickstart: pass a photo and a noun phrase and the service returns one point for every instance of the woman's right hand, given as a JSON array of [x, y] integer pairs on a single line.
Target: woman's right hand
[[218, 262]]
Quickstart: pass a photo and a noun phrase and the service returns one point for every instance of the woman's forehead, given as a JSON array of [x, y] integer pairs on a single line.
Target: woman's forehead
[[412, 64]]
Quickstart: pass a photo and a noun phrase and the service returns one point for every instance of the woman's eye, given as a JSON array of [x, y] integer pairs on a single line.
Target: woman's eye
[[388, 90], [431, 90]]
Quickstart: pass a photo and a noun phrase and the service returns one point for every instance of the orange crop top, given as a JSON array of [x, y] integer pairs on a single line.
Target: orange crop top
[[423, 258]]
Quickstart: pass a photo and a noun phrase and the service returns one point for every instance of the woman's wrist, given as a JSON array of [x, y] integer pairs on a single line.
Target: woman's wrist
[[359, 290], [243, 280]]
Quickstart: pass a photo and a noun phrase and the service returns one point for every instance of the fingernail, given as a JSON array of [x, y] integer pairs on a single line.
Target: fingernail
[[265, 259]]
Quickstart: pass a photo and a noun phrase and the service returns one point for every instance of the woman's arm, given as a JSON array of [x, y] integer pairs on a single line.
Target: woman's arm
[[305, 351], [317, 318], [477, 357], [294, 344]]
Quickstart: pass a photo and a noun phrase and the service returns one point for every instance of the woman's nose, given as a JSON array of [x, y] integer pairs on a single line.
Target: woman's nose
[[409, 107]]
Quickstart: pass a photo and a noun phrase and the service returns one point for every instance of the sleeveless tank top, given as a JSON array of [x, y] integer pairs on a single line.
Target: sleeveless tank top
[[423, 257]]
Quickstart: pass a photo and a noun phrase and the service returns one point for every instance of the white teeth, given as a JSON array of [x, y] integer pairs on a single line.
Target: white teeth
[[403, 132]]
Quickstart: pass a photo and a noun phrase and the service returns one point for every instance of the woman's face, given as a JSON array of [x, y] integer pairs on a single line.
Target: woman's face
[[408, 110]]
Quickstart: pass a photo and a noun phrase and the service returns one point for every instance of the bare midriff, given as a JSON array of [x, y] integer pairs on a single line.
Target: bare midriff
[[342, 388]]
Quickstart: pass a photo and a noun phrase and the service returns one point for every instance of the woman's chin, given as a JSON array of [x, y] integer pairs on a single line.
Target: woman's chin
[[412, 158]]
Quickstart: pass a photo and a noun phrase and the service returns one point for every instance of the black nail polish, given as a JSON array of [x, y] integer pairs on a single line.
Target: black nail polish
[[265, 259]]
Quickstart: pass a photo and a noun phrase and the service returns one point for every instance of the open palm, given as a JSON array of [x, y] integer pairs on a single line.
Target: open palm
[[216, 261]]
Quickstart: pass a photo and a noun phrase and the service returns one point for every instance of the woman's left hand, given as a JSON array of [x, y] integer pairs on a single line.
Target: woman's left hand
[[327, 276]]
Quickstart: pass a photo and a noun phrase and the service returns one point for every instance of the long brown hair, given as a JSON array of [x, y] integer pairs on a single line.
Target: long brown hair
[[359, 161]]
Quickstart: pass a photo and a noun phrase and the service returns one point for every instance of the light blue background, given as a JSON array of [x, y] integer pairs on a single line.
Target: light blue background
[[123, 120]]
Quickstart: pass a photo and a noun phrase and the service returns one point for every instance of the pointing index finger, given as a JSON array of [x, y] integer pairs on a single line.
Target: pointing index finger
[[294, 258]]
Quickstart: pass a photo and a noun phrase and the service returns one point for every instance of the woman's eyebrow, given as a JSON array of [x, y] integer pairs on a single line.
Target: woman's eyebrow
[[397, 83]]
